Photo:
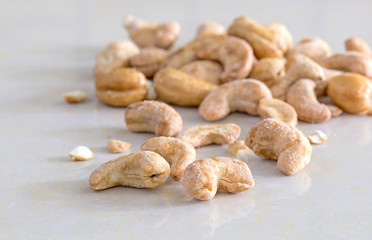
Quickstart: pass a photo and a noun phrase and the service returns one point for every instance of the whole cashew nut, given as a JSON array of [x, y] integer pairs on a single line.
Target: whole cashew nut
[[178, 153], [203, 178], [278, 109], [358, 45], [314, 48], [273, 139], [153, 116], [149, 60]]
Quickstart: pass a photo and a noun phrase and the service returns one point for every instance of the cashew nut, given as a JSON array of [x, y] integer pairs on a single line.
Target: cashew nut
[[236, 147], [335, 111], [153, 116], [205, 70], [75, 96], [178, 153], [283, 31], [240, 95], [278, 109], [150, 34], [139, 170], [273, 139], [181, 56], [351, 92], [269, 70], [210, 28], [149, 60], [176, 87], [202, 135], [151, 94], [314, 48], [301, 95], [317, 137], [358, 45], [203, 178], [115, 55], [81, 153], [121, 87], [117, 146]]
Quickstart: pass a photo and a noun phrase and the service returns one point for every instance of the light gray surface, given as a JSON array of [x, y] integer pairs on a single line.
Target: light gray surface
[[48, 48]]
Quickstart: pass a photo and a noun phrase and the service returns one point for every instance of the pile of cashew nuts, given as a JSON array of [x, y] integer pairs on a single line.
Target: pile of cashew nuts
[[248, 68]]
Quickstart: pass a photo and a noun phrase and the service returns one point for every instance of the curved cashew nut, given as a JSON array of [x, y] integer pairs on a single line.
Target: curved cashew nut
[[210, 28], [358, 45], [204, 177], [278, 109], [202, 135], [301, 95], [205, 70], [139, 170], [153, 116], [149, 60], [268, 70], [178, 153], [283, 31], [240, 95], [314, 48], [273, 139]]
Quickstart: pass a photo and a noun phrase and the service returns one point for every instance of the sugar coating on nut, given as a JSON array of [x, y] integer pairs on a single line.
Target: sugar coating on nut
[[317, 137], [76, 96], [236, 147], [117, 146], [278, 109], [81, 153]]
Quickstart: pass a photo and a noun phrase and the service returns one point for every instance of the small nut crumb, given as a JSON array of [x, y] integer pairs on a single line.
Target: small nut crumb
[[81, 153], [76, 96], [317, 137], [117, 146], [335, 111], [236, 147]]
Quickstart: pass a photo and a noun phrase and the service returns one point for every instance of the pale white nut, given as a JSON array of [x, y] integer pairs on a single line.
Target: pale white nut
[[153, 116], [203, 178], [273, 139], [115, 55], [236, 147], [143, 169], [205, 70], [76, 96], [238, 96], [178, 153], [151, 93], [202, 135], [278, 109], [210, 28], [358, 45], [317, 137], [314, 48], [81, 153], [117, 146], [335, 111], [301, 95], [268, 70], [149, 60]]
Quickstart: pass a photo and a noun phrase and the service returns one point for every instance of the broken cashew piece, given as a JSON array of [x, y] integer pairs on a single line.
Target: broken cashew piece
[[210, 28], [314, 48], [273, 139], [178, 153], [278, 109], [268, 70], [149, 60], [202, 135], [81, 153], [236, 147], [117, 146], [153, 116], [335, 111], [143, 169], [358, 45], [205, 70], [203, 178], [317, 137], [238, 96], [76, 96]]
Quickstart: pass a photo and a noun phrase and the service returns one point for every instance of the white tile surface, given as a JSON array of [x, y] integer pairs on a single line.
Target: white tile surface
[[47, 48]]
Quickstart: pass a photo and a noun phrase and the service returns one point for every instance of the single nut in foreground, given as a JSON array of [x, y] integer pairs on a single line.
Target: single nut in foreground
[[209, 28], [351, 92], [278, 109], [81, 153], [117, 146], [153, 116], [202, 135], [76, 96], [268, 70], [149, 60], [115, 55], [238, 96], [176, 87], [358, 45], [301, 95], [317, 137], [273, 139], [143, 169], [314, 48], [178, 153], [205, 70], [121, 87], [236, 147], [203, 178]]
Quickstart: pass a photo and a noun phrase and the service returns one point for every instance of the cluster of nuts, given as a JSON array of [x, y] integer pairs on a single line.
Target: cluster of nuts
[[248, 68]]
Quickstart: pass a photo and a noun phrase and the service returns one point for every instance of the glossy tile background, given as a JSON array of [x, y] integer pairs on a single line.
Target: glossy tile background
[[48, 48]]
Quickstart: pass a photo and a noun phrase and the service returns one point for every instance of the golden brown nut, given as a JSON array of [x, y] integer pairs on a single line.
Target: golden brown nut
[[205, 70], [278, 109], [269, 70], [153, 116], [203, 178], [117, 146], [283, 31], [358, 45], [139, 170], [351, 92], [76, 96], [121, 87], [149, 60]]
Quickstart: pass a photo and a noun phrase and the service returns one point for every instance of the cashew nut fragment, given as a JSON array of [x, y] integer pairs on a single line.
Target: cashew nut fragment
[[176, 87], [210, 28], [301, 95], [178, 153], [139, 170], [269, 70], [278, 109], [117, 146], [149, 60], [203, 178], [314, 48], [236, 147], [238, 96], [121, 87], [75, 96], [358, 45], [153, 116], [151, 34], [351, 92], [317, 137], [273, 139], [335, 111], [115, 55], [205, 70], [202, 135]]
